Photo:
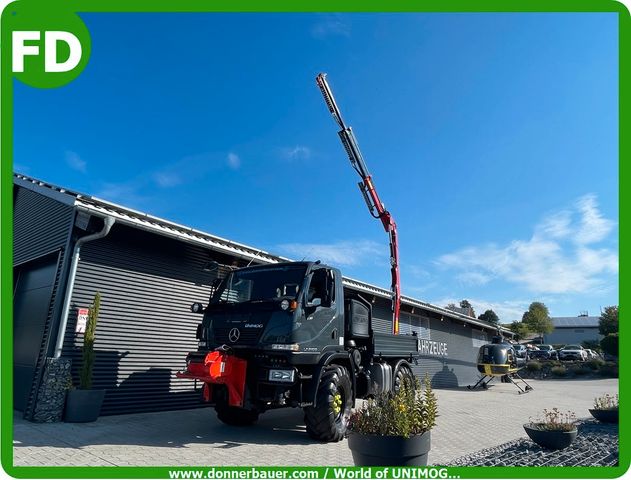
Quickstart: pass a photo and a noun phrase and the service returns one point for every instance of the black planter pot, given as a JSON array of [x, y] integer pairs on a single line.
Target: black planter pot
[[552, 440], [391, 451], [605, 416], [83, 405]]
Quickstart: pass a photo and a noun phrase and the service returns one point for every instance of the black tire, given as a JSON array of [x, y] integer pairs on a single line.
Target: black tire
[[401, 376], [235, 416], [327, 421]]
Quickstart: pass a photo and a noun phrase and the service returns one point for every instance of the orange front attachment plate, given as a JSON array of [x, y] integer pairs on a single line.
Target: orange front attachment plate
[[223, 369]]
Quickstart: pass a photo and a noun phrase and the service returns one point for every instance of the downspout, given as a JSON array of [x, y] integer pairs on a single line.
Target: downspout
[[108, 222]]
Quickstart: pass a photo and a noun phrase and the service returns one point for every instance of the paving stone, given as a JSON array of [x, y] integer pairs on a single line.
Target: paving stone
[[468, 422]]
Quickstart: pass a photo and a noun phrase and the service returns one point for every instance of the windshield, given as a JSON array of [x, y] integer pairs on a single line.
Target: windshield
[[260, 284], [572, 347]]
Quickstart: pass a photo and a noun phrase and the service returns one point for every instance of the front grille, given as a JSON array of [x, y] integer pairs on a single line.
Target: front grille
[[247, 336]]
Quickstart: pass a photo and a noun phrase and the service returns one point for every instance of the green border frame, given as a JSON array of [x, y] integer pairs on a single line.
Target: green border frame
[[464, 6]]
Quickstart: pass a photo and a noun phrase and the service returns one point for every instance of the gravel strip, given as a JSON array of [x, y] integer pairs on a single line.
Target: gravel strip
[[595, 445]]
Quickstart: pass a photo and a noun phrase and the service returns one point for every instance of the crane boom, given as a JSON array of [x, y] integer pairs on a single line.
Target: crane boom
[[367, 188]]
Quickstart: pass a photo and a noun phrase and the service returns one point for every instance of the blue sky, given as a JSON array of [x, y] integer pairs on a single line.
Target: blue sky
[[492, 139]]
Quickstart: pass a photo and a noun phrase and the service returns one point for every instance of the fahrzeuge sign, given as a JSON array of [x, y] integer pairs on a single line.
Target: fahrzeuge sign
[[429, 347], [82, 319]]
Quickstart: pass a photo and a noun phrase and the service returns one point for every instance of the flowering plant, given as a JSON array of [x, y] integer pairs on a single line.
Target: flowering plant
[[555, 421], [410, 411], [606, 402]]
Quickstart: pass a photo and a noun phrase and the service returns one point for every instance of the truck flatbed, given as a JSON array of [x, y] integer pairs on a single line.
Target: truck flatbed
[[388, 345]]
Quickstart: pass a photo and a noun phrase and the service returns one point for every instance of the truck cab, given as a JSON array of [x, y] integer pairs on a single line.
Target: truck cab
[[294, 309]]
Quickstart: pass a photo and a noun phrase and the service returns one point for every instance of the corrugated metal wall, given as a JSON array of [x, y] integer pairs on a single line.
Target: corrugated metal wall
[[41, 226], [458, 367], [147, 284]]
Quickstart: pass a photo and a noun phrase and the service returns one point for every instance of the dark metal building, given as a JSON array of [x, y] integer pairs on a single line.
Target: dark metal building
[[68, 246]]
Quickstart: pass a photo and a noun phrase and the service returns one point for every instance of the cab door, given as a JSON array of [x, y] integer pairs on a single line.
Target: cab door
[[321, 326]]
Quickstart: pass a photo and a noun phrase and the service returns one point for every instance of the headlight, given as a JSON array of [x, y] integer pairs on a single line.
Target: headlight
[[281, 375]]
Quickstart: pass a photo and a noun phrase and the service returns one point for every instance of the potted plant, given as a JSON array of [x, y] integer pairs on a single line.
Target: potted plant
[[394, 428], [83, 404], [556, 430], [605, 408]]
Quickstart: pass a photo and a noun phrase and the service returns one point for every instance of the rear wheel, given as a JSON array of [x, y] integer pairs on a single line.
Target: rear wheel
[[327, 421], [403, 376]]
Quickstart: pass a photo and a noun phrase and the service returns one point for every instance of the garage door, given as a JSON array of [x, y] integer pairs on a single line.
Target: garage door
[[31, 303]]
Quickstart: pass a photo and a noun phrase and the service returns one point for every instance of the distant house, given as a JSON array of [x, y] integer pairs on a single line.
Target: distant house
[[573, 330]]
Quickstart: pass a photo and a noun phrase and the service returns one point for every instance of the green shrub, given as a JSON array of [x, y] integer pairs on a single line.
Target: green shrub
[[555, 363], [87, 365], [579, 370], [533, 366], [609, 344], [554, 421], [559, 371], [410, 411], [606, 402], [609, 370], [595, 363]]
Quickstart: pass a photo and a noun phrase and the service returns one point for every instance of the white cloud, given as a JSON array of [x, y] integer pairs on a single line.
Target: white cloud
[[167, 179], [331, 25], [555, 260], [593, 227], [299, 152], [344, 253], [75, 162], [473, 278], [234, 161]]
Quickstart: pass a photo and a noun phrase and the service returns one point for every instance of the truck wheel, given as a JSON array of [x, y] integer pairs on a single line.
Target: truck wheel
[[239, 417], [327, 421], [402, 376]]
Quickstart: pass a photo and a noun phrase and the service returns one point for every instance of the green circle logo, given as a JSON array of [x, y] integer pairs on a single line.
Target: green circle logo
[[49, 47]]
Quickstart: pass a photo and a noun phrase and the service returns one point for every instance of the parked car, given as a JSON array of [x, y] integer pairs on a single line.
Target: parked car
[[530, 347], [592, 353], [573, 352], [545, 352], [521, 353]]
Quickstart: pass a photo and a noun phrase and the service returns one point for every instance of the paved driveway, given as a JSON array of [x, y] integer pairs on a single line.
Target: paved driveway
[[469, 421]]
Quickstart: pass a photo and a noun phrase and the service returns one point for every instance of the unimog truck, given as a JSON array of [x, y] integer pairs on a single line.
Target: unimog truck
[[289, 335]]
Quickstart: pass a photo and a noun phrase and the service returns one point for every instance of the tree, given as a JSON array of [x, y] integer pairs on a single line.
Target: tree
[[490, 316], [451, 306], [591, 344], [608, 322], [609, 344], [520, 330], [466, 305], [537, 318]]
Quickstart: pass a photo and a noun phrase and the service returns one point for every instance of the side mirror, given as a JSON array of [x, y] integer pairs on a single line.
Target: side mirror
[[316, 302]]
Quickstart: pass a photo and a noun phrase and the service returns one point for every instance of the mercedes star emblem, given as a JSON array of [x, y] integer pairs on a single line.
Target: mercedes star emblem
[[234, 335]]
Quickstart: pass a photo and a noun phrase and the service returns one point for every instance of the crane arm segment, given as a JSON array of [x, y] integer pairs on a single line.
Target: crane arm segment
[[367, 188]]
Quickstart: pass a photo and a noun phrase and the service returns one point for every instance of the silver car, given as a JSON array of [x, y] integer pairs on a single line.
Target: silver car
[[573, 352]]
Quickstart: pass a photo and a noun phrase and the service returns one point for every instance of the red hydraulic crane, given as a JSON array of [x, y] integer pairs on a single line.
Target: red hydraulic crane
[[367, 187]]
